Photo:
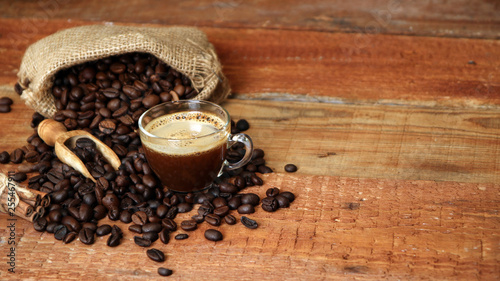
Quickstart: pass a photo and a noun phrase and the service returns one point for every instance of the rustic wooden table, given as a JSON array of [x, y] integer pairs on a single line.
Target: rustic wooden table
[[390, 109]]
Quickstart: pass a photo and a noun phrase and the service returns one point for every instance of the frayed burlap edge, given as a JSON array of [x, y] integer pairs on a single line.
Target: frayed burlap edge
[[186, 49]]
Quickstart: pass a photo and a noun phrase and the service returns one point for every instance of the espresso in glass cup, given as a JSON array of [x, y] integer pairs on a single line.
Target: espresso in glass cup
[[186, 141]]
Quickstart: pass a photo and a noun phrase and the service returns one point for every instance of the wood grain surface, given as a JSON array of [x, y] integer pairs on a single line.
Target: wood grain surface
[[397, 140], [337, 228], [328, 67], [459, 18]]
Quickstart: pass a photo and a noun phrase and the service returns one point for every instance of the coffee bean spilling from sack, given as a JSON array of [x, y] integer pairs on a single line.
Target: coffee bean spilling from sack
[[107, 98]]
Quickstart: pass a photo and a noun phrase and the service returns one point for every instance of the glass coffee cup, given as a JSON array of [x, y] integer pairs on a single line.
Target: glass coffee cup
[[186, 142]]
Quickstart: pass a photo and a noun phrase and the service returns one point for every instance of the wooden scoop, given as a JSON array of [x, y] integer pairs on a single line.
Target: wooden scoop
[[55, 134]]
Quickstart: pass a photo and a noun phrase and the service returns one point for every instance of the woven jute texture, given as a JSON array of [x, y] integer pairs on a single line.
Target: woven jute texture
[[186, 49]]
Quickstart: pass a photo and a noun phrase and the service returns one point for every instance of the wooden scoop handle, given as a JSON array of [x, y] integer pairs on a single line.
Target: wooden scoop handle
[[49, 130]]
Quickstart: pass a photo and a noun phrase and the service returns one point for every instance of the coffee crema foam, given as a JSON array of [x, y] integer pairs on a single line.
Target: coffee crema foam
[[188, 133]]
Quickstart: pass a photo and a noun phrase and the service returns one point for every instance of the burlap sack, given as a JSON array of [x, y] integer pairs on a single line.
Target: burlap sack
[[185, 49]]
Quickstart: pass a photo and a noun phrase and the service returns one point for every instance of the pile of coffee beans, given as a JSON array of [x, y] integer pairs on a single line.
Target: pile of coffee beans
[[5, 103], [106, 98]]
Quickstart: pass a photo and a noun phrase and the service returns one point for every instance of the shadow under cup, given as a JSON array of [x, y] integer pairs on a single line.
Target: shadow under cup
[[185, 143]]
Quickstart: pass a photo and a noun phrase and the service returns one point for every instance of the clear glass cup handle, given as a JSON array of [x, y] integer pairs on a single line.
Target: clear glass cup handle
[[247, 141]]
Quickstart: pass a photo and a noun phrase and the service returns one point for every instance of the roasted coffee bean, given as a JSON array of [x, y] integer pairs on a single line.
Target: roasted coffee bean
[[71, 223], [42, 167], [181, 236], [239, 182], [113, 104], [156, 255], [135, 228], [169, 224], [290, 168], [213, 235], [175, 199], [86, 236], [234, 203], [117, 231], [219, 202], [119, 112], [288, 195], [257, 153], [221, 211], [246, 209], [114, 214], [151, 227], [164, 236], [73, 211], [113, 240], [164, 271], [42, 148], [55, 177], [6, 101], [152, 236], [51, 227], [118, 68], [263, 169], [161, 211], [19, 177], [87, 74], [70, 236], [18, 88], [172, 212], [270, 204], [189, 225], [102, 230], [69, 113], [227, 187], [107, 126], [184, 207], [230, 219], [250, 198], [143, 242], [85, 143], [4, 157], [164, 97], [242, 125], [131, 92], [17, 156], [149, 181], [272, 192], [154, 219], [204, 210], [180, 90], [55, 216], [122, 180], [151, 101], [85, 212], [100, 212], [198, 218], [249, 223], [256, 180], [110, 201], [60, 232], [283, 202], [90, 225], [125, 216], [40, 224], [31, 157], [88, 198], [213, 219]]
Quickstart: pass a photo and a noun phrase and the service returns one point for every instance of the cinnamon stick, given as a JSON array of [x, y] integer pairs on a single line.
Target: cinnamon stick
[[40, 210], [22, 209]]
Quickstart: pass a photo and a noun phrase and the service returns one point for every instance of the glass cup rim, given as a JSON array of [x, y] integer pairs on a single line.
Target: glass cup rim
[[144, 131]]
